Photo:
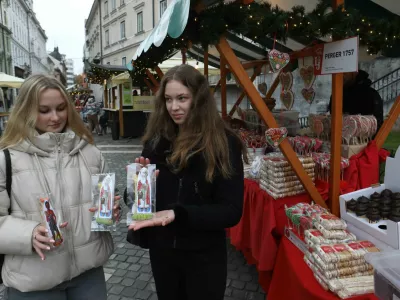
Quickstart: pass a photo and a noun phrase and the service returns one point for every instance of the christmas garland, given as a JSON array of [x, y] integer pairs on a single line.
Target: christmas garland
[[262, 22]]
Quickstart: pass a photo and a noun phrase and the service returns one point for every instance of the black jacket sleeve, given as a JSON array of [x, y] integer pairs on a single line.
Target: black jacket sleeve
[[228, 196]]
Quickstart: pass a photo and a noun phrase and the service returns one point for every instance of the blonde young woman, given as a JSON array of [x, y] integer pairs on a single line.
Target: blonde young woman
[[199, 189], [51, 152]]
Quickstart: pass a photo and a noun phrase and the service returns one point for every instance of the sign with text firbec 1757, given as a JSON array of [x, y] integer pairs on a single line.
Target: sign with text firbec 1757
[[336, 57]]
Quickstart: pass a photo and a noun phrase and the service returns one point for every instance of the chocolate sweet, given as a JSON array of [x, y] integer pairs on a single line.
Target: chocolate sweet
[[361, 209], [375, 196], [396, 203], [385, 201], [373, 215], [373, 204], [395, 215], [396, 196], [387, 208], [362, 200], [394, 218], [386, 193], [351, 205], [385, 214]]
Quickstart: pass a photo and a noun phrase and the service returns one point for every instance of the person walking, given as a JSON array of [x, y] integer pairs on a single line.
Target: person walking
[[52, 153], [92, 114], [199, 189]]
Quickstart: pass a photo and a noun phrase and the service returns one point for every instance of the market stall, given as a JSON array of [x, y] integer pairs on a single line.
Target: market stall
[[289, 168]]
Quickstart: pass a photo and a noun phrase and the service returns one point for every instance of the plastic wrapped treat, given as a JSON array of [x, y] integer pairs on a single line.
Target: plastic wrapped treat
[[51, 219], [141, 192], [103, 192]]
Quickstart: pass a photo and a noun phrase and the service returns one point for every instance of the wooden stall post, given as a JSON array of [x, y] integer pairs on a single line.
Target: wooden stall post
[[113, 96], [152, 79], [223, 72], [336, 137], [105, 96], [121, 112], [184, 58], [225, 50], [257, 72], [159, 72], [386, 127]]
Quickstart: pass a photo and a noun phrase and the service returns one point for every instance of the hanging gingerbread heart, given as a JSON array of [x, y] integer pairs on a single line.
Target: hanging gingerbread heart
[[262, 88], [286, 79], [278, 60], [307, 74], [275, 136], [287, 98], [308, 94]]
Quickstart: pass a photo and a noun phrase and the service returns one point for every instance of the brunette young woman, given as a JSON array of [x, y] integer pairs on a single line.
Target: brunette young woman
[[199, 189], [52, 153]]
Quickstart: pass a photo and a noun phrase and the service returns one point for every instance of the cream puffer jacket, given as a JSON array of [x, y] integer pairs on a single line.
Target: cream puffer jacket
[[64, 161]]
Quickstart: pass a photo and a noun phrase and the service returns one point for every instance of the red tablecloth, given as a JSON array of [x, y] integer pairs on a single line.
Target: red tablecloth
[[262, 225], [293, 279]]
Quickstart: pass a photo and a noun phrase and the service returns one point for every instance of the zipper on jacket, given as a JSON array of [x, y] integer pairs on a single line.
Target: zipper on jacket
[[60, 179], [177, 200]]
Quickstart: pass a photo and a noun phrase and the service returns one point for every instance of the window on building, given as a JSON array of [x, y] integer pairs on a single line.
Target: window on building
[[140, 22], [106, 8], [107, 38], [124, 61], [108, 63], [163, 7], [122, 29], [122, 2], [5, 18], [113, 5]]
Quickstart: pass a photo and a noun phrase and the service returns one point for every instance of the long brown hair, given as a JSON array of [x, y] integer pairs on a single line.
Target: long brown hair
[[22, 121], [204, 130]]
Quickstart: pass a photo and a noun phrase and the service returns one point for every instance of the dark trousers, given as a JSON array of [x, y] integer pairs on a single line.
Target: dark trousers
[[189, 275]]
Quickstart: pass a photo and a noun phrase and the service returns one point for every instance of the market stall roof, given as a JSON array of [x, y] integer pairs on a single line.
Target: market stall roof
[[262, 24], [10, 81], [98, 73]]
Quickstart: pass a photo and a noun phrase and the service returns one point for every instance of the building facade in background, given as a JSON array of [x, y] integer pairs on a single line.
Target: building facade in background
[[115, 28], [28, 40], [5, 38], [69, 63]]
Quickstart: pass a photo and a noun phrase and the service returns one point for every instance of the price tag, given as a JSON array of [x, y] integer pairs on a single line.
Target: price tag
[[336, 57]]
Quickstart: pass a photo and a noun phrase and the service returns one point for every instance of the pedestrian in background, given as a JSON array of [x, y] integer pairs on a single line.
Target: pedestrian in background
[[92, 114], [52, 153], [199, 189]]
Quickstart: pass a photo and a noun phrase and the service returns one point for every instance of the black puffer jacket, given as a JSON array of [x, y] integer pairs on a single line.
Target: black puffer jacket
[[202, 209], [361, 98]]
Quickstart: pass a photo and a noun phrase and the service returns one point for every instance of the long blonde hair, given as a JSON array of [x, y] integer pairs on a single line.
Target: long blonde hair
[[22, 121], [204, 131]]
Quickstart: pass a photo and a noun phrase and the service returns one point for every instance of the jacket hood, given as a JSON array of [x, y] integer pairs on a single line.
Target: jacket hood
[[363, 78], [46, 143]]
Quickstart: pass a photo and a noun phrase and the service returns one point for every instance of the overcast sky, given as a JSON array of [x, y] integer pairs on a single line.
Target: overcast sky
[[64, 23]]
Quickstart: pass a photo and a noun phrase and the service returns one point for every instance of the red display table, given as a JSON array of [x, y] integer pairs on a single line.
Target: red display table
[[293, 279]]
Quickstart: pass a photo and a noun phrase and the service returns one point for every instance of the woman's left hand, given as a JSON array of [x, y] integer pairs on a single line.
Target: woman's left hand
[[116, 209], [161, 218]]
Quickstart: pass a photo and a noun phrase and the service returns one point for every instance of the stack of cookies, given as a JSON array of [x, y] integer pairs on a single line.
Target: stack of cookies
[[279, 180]]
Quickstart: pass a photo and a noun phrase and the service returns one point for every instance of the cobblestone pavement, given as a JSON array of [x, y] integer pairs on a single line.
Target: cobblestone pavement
[[128, 271]]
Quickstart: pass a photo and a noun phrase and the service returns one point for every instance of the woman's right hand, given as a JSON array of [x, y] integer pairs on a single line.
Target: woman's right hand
[[40, 240], [144, 162]]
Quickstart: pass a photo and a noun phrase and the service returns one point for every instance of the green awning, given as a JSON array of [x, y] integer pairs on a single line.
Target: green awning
[[172, 23]]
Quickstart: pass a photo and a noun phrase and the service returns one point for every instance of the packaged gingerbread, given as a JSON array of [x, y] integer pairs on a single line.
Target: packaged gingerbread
[[331, 222]]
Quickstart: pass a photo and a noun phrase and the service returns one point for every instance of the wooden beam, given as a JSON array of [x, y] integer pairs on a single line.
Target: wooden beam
[[223, 71], [206, 63], [257, 72], [257, 102], [152, 88], [254, 63], [336, 135], [121, 112], [159, 72], [114, 97], [184, 58], [217, 85], [387, 125], [152, 79], [105, 96]]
